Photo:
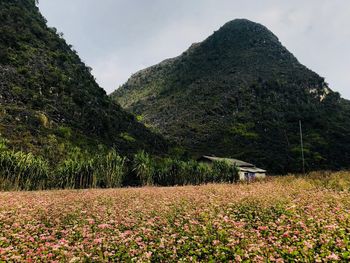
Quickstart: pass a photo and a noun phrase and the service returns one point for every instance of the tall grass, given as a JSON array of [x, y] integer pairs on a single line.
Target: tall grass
[[339, 181], [103, 171], [23, 171], [75, 174], [168, 172], [143, 167], [224, 173], [110, 170]]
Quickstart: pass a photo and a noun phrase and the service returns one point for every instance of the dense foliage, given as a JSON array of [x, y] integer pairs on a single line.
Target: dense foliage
[[241, 94], [287, 219], [48, 97], [20, 171], [80, 170]]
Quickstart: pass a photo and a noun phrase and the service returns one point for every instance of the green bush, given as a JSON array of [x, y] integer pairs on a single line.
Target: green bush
[[3, 144], [64, 132]]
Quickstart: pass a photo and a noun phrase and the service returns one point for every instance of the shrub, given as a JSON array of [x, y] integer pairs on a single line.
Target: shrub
[[64, 132], [3, 143], [43, 119], [127, 137]]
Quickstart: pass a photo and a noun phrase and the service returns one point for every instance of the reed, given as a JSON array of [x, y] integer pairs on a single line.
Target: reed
[[23, 171], [110, 170]]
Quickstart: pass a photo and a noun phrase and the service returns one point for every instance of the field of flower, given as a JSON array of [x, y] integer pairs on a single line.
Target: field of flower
[[279, 220]]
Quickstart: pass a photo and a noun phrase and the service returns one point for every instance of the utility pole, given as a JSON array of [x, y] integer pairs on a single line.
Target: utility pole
[[302, 146]]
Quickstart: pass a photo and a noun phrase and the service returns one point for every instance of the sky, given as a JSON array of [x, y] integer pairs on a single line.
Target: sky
[[117, 38]]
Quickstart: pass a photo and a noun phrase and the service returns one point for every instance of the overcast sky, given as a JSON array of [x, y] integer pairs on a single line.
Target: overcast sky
[[119, 37]]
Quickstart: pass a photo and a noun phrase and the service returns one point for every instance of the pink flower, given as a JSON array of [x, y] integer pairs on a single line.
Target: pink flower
[[333, 257], [104, 226], [216, 242], [63, 241], [308, 245], [126, 234], [331, 227], [98, 241], [238, 258], [262, 228], [148, 254]]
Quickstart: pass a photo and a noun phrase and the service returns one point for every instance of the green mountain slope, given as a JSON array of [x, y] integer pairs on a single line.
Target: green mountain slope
[[240, 93], [48, 98]]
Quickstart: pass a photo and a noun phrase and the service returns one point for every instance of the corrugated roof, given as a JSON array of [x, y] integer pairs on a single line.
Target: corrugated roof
[[252, 170], [236, 162]]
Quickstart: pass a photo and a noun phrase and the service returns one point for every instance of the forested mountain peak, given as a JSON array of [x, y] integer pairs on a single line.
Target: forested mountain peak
[[240, 93], [49, 98]]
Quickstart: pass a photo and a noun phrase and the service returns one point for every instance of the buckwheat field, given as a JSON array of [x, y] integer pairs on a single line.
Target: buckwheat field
[[277, 220]]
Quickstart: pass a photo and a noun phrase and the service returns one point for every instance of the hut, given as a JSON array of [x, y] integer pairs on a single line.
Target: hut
[[246, 171]]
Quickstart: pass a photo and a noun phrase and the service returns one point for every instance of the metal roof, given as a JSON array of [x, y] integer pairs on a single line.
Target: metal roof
[[252, 170], [236, 162]]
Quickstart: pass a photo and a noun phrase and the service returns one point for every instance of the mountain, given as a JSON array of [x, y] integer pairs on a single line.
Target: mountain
[[49, 101], [240, 93]]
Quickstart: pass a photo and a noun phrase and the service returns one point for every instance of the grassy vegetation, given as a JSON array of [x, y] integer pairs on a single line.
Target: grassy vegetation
[[108, 169], [281, 219], [333, 181], [20, 171]]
